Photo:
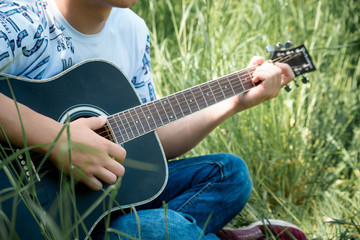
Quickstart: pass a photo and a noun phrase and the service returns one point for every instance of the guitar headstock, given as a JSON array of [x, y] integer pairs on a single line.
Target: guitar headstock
[[298, 58]]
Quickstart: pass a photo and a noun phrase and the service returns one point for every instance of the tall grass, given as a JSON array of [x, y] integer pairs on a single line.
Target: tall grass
[[302, 148]]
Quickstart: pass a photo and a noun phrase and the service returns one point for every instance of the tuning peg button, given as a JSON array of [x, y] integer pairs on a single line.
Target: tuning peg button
[[288, 88], [289, 44], [305, 79], [279, 46], [270, 48]]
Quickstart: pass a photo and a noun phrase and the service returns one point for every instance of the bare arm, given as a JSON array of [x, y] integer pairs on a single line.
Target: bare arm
[[40, 129], [182, 135]]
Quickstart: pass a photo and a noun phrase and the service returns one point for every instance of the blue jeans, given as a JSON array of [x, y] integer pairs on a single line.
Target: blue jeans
[[203, 194]]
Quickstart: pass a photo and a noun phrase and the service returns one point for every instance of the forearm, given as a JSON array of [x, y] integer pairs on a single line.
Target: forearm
[[182, 135], [39, 129], [96, 165]]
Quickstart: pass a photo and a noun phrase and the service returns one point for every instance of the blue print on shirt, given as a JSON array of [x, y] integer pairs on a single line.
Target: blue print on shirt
[[37, 45], [145, 60], [137, 84], [146, 65], [23, 34], [151, 91]]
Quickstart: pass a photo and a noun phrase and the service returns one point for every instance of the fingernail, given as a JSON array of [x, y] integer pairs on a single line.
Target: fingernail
[[103, 117]]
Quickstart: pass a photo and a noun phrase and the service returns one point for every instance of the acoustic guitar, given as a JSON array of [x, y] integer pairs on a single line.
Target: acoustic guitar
[[32, 189]]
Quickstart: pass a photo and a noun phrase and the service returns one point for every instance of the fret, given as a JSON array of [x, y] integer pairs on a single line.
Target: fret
[[191, 101], [113, 124], [241, 81], [176, 106], [203, 95], [138, 121], [200, 100], [124, 125], [106, 132], [235, 84], [225, 88], [249, 78], [191, 90], [185, 107], [248, 85], [146, 118], [161, 112], [169, 111], [150, 116], [129, 126], [221, 89], [216, 88], [230, 84], [208, 94], [134, 123]]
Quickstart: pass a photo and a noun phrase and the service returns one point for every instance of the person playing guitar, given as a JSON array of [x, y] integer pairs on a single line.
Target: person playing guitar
[[40, 39]]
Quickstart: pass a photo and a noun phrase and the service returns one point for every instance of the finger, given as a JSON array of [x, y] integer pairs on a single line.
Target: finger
[[107, 176], [266, 71], [256, 60], [263, 75], [287, 72], [93, 183], [115, 167], [86, 178], [116, 151]]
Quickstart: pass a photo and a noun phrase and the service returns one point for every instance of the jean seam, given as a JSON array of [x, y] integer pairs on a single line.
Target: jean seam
[[205, 188], [221, 171], [190, 200]]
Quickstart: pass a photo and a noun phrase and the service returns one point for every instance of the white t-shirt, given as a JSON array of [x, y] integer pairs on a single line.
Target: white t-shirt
[[41, 43]]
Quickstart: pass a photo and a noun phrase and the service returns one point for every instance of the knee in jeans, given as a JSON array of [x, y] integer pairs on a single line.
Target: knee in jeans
[[181, 226], [177, 219], [236, 172], [156, 224], [236, 168]]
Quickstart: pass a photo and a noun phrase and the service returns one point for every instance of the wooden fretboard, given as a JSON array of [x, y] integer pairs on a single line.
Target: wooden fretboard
[[137, 121]]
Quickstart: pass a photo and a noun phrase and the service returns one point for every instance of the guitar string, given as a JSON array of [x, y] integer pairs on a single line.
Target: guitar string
[[167, 113], [183, 101], [196, 95], [157, 122], [48, 166], [230, 78]]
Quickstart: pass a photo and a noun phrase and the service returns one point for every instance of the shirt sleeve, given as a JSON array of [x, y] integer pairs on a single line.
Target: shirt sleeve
[[24, 39]]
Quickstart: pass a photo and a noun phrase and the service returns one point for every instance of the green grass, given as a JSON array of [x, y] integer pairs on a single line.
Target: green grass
[[302, 148]]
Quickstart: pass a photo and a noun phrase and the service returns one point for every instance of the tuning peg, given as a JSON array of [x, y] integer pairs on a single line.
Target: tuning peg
[[305, 79], [288, 88], [279, 46], [296, 82], [270, 48], [289, 44]]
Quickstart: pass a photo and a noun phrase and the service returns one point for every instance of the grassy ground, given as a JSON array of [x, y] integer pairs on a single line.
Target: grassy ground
[[302, 148]]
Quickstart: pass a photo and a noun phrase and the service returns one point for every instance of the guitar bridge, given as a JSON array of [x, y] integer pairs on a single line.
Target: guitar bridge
[[26, 169]]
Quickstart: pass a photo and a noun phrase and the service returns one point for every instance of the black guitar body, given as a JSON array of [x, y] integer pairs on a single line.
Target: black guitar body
[[88, 89]]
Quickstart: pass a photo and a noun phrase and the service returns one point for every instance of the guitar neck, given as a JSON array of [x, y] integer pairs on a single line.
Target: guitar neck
[[138, 121]]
